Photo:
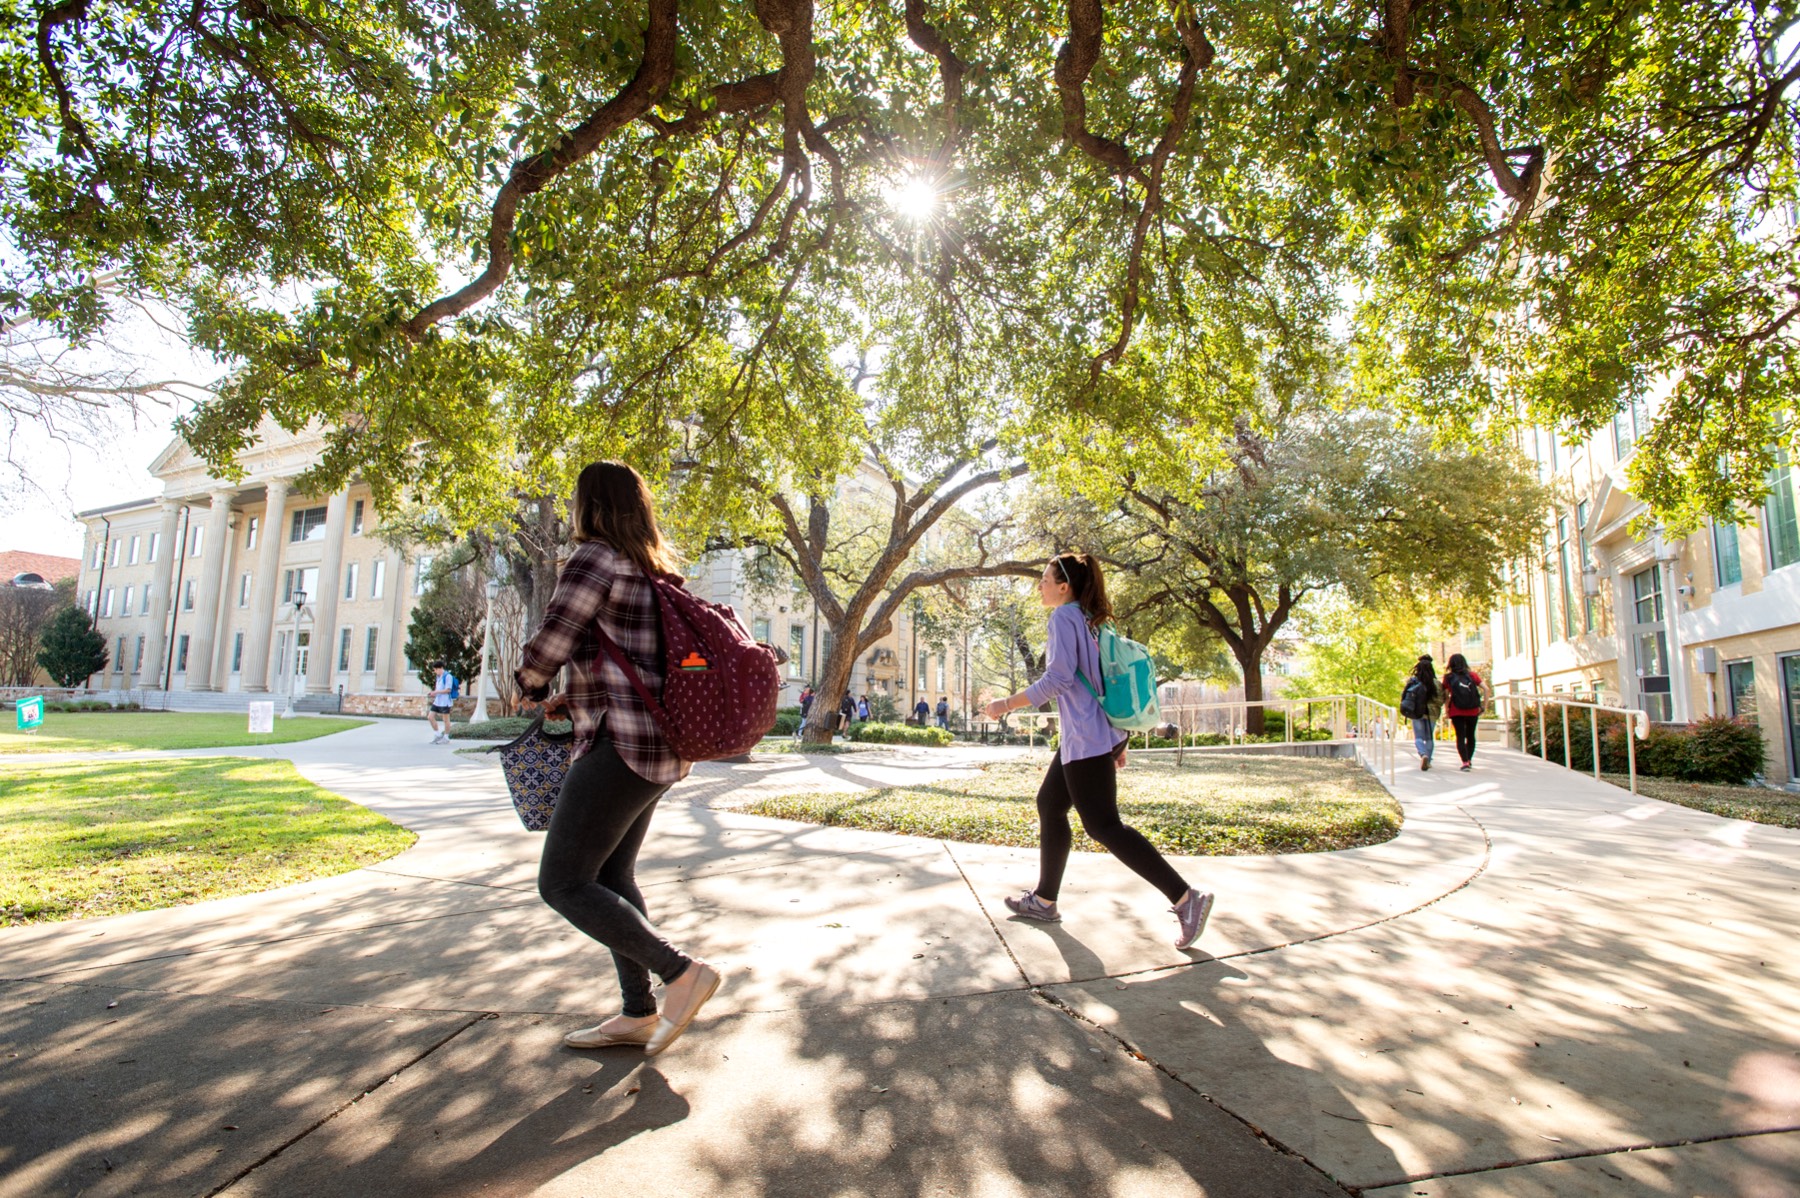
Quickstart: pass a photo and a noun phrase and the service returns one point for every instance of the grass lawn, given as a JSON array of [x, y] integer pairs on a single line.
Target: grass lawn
[[1217, 806], [1756, 803], [101, 839], [121, 731]]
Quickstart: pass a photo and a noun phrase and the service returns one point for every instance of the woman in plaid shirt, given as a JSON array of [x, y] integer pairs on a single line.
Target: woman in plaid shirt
[[622, 762]]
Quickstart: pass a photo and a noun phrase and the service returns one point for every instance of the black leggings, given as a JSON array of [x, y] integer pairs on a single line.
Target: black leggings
[[1465, 735], [1091, 786], [588, 873]]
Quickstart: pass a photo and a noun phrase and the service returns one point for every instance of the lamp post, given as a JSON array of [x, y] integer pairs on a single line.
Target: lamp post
[[480, 714], [297, 680]]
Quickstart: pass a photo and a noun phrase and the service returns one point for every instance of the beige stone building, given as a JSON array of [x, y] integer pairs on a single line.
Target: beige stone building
[[1681, 627], [196, 592]]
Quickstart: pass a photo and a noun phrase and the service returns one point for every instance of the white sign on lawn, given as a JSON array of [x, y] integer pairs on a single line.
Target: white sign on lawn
[[262, 717]]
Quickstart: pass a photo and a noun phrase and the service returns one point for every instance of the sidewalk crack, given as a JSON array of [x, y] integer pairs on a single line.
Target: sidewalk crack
[[253, 1166], [987, 915]]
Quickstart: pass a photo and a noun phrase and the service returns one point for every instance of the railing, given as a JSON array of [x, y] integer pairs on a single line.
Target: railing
[[1376, 752], [1639, 721]]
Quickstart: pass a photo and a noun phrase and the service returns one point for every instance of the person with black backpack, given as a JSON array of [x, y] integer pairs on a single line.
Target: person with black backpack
[[1464, 696], [606, 603], [1422, 702]]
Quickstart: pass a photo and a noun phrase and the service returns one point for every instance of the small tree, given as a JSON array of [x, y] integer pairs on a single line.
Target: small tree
[[72, 648], [446, 625], [24, 612]]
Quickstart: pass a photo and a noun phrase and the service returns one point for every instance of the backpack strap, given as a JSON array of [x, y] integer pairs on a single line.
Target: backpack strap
[[632, 676]]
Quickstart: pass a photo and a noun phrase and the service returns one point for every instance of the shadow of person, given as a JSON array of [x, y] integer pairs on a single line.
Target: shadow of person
[[625, 1097], [1207, 1026], [1080, 962]]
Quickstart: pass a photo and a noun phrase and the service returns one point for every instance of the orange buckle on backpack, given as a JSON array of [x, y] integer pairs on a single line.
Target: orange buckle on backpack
[[693, 661]]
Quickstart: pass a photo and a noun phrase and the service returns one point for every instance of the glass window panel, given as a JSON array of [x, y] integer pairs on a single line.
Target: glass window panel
[[1725, 554], [1740, 685], [1782, 512]]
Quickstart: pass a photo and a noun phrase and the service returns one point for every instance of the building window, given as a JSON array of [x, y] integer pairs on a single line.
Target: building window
[[305, 579], [1646, 595], [187, 595], [126, 610], [343, 650], [237, 653], [377, 577], [1781, 512], [252, 526], [137, 657], [350, 580], [99, 552], [356, 518], [759, 631], [420, 581], [93, 600], [1652, 644], [132, 557], [146, 610], [309, 525], [116, 547], [155, 545], [796, 650], [106, 605], [1740, 687], [181, 652], [119, 658], [244, 589], [369, 649], [196, 542], [1590, 611], [1631, 423], [1565, 568], [1725, 554]]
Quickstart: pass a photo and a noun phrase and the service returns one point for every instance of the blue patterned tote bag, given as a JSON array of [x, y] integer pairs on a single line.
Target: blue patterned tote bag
[[535, 765]]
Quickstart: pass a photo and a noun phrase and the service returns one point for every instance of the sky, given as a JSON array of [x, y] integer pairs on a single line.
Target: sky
[[48, 479]]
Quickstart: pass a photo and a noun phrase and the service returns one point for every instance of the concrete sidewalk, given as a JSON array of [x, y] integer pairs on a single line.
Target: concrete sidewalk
[[1536, 986]]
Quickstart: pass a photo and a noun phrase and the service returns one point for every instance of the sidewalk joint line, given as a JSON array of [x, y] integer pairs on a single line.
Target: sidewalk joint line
[[342, 1107], [1587, 1154], [985, 914], [1049, 999]]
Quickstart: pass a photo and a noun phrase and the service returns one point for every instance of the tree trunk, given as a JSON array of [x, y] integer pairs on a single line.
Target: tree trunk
[[834, 681], [1251, 664]]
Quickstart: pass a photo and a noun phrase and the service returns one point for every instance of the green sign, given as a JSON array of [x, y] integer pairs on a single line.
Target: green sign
[[31, 713]]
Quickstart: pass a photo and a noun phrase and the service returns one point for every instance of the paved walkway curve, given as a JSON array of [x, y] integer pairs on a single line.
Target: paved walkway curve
[[1539, 982]]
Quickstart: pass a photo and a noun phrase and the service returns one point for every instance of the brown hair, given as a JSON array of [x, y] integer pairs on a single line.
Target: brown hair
[[1082, 572], [614, 505]]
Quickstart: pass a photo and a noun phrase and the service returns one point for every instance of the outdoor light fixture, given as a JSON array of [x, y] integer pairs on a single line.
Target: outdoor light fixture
[[297, 682]]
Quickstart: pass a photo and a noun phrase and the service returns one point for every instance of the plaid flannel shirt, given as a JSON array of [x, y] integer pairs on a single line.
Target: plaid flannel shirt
[[599, 586]]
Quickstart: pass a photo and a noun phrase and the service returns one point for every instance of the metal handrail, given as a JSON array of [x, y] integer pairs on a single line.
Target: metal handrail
[[1640, 728], [1369, 713]]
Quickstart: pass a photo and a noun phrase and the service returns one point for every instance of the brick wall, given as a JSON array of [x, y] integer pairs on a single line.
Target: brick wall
[[403, 705]]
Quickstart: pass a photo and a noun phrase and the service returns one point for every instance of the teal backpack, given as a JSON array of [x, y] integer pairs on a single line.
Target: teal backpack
[[1128, 678]]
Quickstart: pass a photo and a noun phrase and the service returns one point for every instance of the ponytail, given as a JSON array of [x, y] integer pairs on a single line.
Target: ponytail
[[1082, 572]]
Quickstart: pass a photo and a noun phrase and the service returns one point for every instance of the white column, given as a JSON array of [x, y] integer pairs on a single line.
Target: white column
[[262, 595], [395, 666], [156, 643], [213, 557], [393, 632], [323, 661]]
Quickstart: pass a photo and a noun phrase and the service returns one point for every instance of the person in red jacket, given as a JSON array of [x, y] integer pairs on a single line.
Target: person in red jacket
[[1464, 695]]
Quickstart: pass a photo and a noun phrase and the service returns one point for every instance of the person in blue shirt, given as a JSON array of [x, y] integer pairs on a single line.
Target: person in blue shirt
[[1090, 752]]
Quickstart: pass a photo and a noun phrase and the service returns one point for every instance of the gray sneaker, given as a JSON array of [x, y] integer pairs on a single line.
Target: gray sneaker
[[1030, 906], [1192, 912]]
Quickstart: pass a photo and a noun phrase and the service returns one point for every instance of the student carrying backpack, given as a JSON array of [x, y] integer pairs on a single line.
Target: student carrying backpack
[[1421, 701], [1464, 700]]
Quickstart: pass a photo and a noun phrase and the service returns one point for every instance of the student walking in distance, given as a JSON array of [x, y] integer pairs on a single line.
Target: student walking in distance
[[1464, 694], [622, 762], [1422, 702], [1090, 752], [943, 711], [443, 698]]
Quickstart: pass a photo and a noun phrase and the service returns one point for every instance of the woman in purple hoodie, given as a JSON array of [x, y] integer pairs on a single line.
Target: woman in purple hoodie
[[1089, 754]]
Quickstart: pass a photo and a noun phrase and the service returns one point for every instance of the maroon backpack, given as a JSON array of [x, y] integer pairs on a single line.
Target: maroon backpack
[[720, 688]]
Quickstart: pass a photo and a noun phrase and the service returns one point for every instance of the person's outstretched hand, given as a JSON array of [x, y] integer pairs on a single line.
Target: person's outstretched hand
[[556, 707]]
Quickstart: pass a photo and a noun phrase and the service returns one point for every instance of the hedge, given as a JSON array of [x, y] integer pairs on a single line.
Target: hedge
[[898, 734], [1714, 749]]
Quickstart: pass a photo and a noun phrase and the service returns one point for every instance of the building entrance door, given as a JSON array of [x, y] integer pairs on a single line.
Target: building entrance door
[[302, 650]]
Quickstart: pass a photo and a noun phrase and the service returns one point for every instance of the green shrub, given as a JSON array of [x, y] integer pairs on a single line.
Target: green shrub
[[1716, 749], [79, 705], [505, 728], [787, 721], [898, 734]]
